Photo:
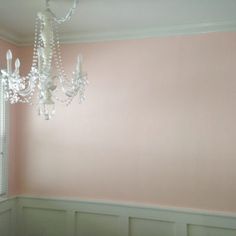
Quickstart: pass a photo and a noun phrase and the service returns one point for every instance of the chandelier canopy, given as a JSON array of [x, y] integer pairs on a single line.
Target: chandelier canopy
[[47, 77]]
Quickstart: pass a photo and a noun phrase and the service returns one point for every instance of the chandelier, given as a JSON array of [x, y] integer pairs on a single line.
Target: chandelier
[[47, 78]]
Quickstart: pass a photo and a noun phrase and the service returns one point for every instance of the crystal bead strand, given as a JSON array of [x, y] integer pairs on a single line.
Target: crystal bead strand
[[58, 61], [33, 71]]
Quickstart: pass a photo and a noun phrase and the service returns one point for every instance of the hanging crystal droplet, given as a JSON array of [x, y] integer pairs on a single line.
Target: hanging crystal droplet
[[47, 110]]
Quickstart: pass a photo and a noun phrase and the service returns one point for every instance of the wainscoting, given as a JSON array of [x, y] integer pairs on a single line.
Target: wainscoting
[[57, 217], [7, 217], [32, 216]]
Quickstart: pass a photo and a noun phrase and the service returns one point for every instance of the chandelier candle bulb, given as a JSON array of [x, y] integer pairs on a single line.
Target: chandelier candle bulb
[[17, 66], [79, 64], [9, 61]]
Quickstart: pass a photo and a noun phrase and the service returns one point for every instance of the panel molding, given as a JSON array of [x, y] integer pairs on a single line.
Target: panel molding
[[7, 217], [40, 216], [116, 217]]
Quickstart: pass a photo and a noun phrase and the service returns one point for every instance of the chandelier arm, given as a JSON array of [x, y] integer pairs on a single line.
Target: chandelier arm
[[68, 15], [29, 89]]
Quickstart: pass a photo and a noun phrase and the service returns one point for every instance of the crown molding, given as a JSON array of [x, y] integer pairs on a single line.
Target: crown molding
[[190, 29], [10, 37], [88, 37]]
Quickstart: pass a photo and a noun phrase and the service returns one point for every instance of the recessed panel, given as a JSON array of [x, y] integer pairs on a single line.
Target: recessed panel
[[5, 223], [44, 222], [146, 227], [197, 230], [91, 224]]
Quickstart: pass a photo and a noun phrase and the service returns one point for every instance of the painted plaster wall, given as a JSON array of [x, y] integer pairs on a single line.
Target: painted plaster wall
[[158, 126]]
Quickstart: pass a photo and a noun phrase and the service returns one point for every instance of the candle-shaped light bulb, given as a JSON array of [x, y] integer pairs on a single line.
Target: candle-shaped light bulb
[[17, 65], [9, 61], [79, 63], [9, 55]]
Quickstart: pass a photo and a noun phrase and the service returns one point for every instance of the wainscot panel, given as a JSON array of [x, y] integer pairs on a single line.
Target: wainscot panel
[[140, 227], [102, 224], [198, 230], [68, 217], [44, 222], [7, 217]]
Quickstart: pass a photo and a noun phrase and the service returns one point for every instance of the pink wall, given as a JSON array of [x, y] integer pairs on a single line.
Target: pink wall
[[4, 47], [158, 126]]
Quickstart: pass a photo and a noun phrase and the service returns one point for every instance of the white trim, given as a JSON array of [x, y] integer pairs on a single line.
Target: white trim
[[6, 151], [190, 29], [4, 199], [131, 205], [87, 37], [123, 219], [4, 116], [122, 215], [10, 37], [8, 205]]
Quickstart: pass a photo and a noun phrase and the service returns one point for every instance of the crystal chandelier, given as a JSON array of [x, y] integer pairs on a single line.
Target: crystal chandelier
[[47, 78]]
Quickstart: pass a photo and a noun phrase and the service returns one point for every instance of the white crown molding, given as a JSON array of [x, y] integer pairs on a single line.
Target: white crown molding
[[88, 37], [10, 37], [190, 29]]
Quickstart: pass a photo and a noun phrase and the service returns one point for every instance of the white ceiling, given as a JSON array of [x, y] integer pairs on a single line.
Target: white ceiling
[[116, 19]]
